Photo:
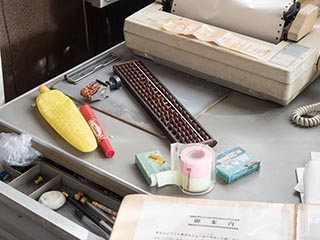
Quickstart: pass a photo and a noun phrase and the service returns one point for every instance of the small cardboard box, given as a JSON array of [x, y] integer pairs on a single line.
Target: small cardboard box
[[234, 163], [149, 164]]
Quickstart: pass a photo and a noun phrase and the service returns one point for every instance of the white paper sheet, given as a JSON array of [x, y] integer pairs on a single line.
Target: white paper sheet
[[300, 185], [309, 180], [257, 18], [180, 221]]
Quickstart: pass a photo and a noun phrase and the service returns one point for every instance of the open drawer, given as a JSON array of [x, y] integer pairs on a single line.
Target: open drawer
[[24, 217]]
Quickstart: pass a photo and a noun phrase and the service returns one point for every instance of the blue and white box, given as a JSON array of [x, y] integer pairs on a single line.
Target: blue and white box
[[234, 163]]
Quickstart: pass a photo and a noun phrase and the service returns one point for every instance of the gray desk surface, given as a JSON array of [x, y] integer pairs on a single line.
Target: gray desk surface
[[262, 128]]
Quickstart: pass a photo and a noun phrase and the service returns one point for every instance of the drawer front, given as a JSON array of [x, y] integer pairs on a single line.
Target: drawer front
[[24, 217]]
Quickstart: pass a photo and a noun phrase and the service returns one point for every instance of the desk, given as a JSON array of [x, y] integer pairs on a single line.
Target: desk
[[262, 128]]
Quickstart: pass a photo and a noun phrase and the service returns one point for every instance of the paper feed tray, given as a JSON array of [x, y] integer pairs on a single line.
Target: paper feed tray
[[279, 75]]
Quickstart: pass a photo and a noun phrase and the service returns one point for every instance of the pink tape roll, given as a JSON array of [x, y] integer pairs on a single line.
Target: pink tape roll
[[196, 161]]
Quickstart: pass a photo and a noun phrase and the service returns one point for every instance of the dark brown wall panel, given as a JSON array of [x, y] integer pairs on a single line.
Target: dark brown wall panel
[[40, 39]]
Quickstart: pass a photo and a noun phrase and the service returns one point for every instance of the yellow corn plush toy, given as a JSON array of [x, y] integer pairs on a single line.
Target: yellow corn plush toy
[[64, 117]]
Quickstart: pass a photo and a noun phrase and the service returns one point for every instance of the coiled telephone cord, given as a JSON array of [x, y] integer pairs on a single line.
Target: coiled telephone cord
[[307, 116]]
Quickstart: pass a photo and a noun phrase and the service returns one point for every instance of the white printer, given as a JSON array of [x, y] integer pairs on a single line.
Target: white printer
[[267, 49]]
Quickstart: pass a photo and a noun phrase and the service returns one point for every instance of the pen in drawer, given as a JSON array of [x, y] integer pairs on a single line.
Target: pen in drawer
[[106, 209], [99, 213], [85, 211], [91, 225]]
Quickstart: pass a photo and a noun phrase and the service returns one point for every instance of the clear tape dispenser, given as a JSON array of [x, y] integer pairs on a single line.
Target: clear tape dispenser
[[195, 167]]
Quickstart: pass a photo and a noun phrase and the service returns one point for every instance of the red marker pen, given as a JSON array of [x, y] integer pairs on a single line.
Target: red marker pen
[[95, 126]]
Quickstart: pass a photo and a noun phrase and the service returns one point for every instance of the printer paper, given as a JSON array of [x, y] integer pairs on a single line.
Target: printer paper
[[218, 36], [260, 19], [311, 179]]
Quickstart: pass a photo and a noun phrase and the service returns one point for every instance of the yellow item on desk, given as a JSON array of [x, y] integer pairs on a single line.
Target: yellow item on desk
[[64, 117], [157, 158]]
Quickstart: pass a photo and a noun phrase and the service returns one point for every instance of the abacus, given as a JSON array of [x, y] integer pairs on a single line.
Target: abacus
[[168, 113]]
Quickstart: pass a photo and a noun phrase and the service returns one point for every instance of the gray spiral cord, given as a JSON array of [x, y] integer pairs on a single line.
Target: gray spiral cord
[[300, 115], [299, 119]]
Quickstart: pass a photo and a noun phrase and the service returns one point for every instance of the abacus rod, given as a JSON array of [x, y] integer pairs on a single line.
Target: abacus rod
[[168, 101]]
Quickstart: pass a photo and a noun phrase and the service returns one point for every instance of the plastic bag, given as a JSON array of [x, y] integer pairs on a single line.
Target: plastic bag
[[16, 150]]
